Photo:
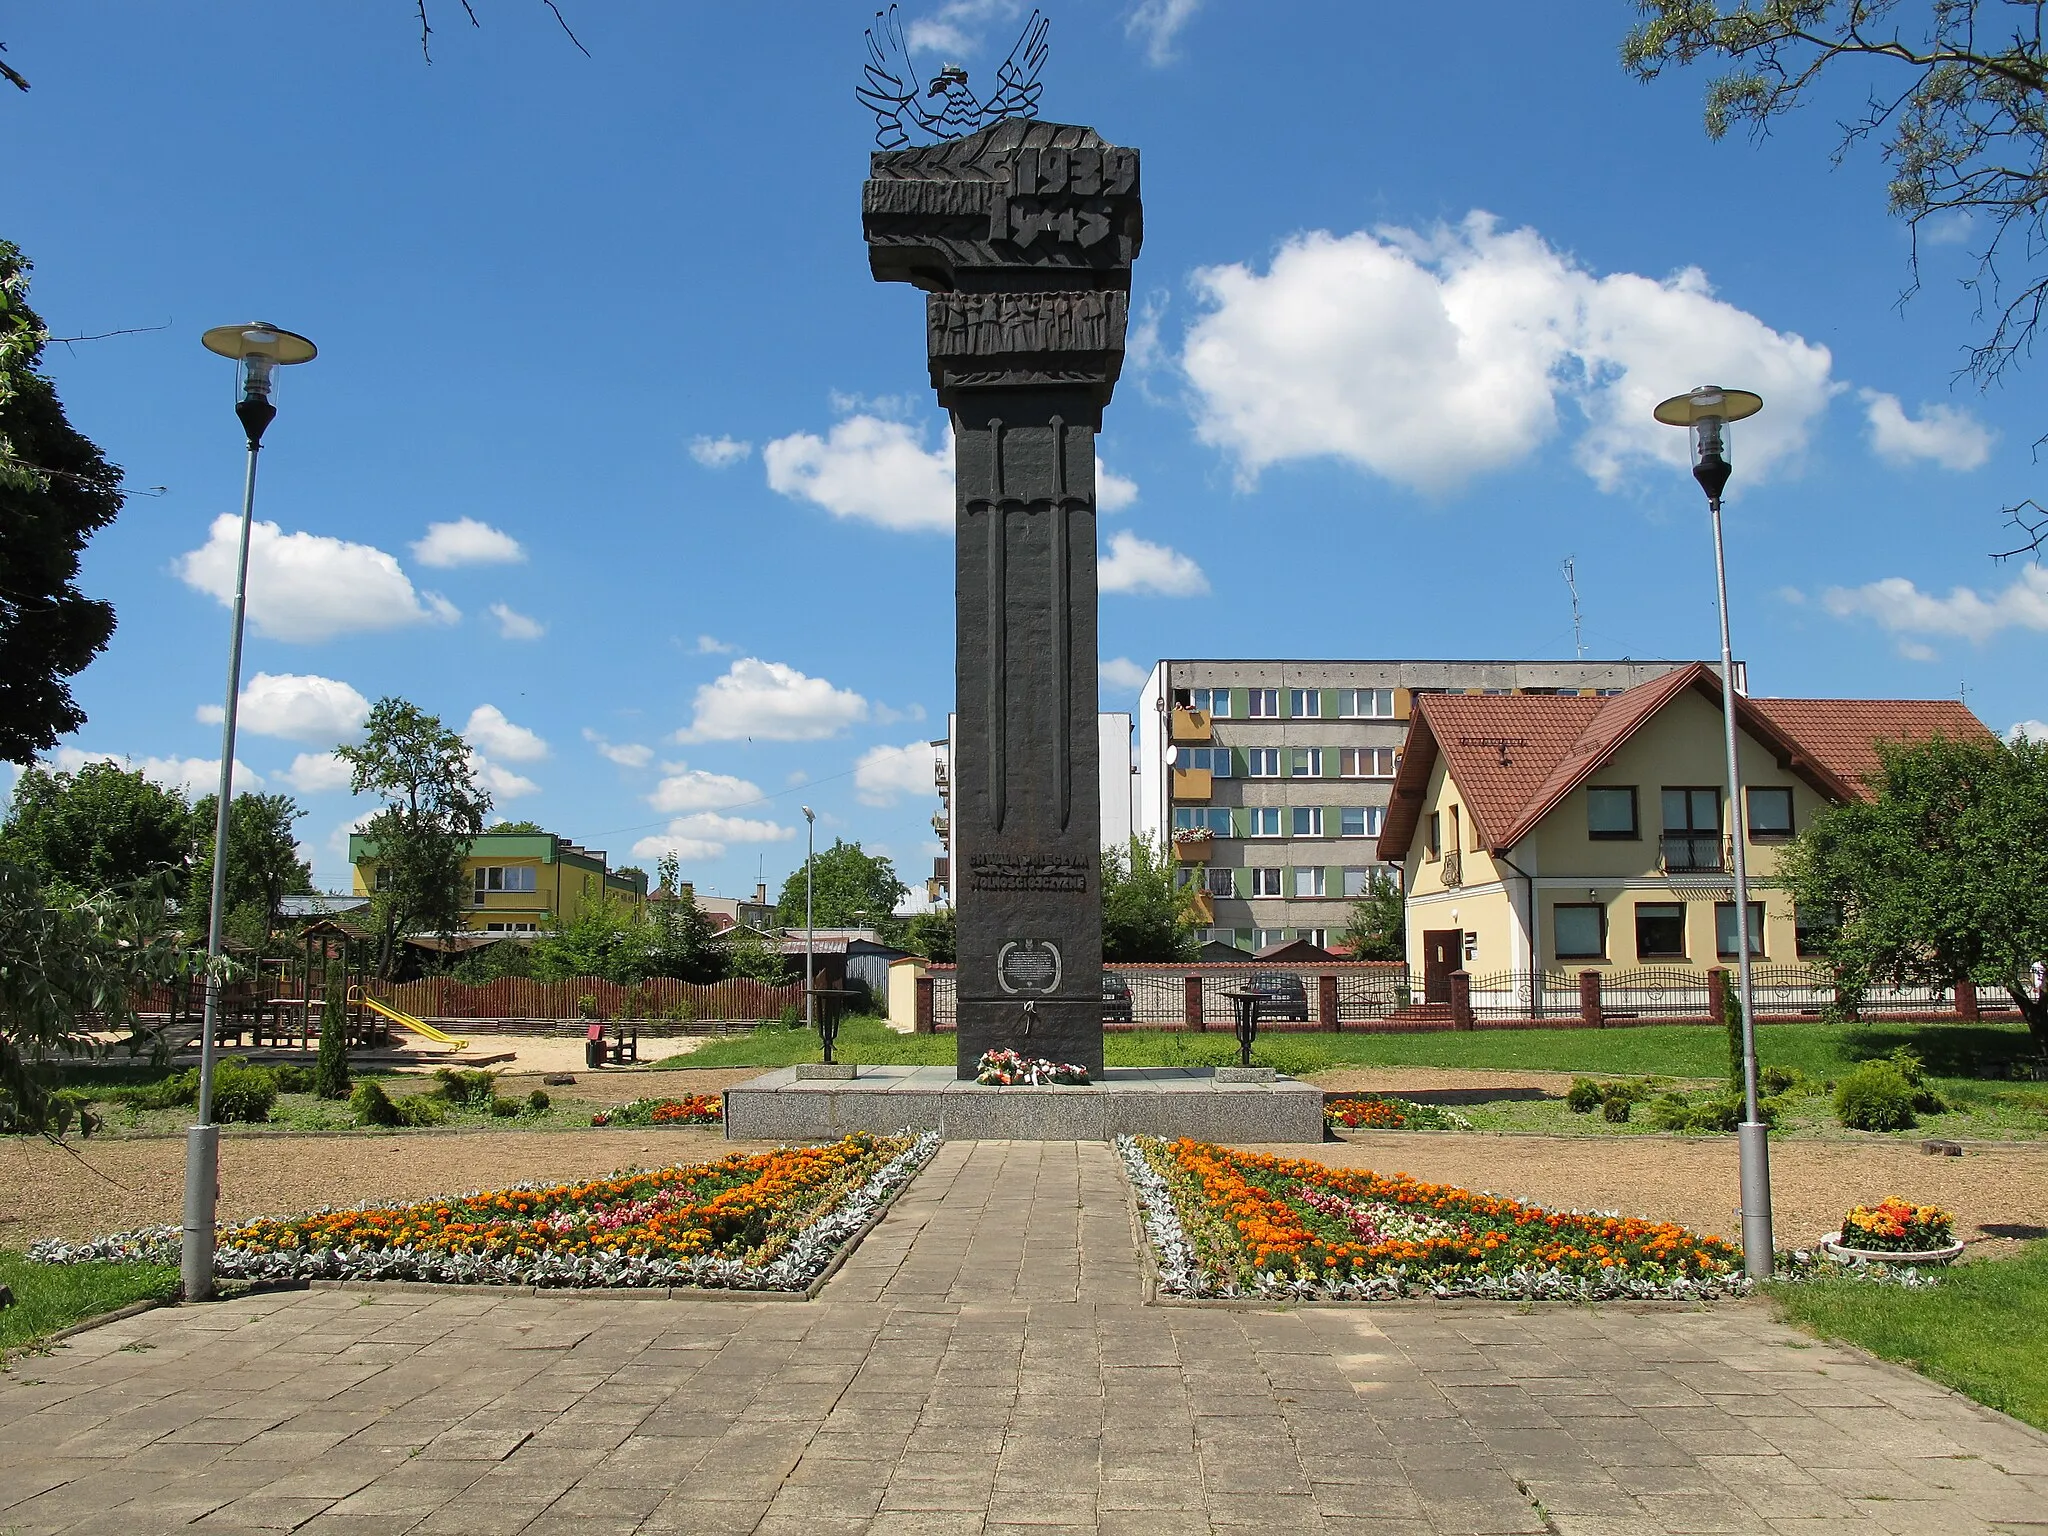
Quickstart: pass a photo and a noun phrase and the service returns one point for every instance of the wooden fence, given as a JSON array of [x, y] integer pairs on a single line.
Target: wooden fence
[[518, 997]]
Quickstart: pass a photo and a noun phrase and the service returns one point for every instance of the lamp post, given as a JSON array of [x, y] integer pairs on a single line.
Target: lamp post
[[1706, 413], [259, 349], [810, 927]]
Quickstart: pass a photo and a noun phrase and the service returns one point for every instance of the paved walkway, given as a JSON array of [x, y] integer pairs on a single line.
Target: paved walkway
[[985, 1364]]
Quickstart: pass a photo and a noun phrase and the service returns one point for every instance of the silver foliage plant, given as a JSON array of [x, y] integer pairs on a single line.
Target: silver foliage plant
[[802, 1261]]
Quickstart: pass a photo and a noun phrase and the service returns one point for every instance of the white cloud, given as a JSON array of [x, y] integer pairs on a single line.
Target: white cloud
[[467, 542], [2029, 730], [1913, 650], [627, 754], [955, 27], [189, 776], [1432, 359], [711, 645], [719, 452], [501, 781], [1138, 565], [1944, 434], [1113, 492], [883, 773], [886, 715], [1121, 673], [337, 840], [1157, 24], [489, 731], [773, 702], [317, 773], [706, 836], [295, 707], [693, 789], [514, 625], [867, 468], [307, 586], [1899, 606]]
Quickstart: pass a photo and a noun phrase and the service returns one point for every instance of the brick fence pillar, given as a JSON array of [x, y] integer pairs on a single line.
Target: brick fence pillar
[[1191, 1002], [1461, 999], [1326, 1003], [1966, 999], [926, 1016], [1717, 993], [1589, 999]]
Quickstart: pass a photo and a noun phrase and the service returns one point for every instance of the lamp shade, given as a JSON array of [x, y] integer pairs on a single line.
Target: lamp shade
[[1709, 400], [261, 339]]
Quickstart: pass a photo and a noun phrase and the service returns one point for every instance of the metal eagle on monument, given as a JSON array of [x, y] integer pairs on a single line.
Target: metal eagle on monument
[[1021, 234]]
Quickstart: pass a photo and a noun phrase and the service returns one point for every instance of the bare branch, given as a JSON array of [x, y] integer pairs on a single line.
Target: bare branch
[[126, 330], [550, 4], [2034, 527], [9, 75]]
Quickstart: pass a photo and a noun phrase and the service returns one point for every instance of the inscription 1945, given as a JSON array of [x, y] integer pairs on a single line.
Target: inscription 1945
[[1025, 872]]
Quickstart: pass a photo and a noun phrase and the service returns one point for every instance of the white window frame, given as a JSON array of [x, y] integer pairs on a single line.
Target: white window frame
[[1265, 881], [1349, 707], [1296, 756], [1215, 819], [1262, 762], [1371, 818], [1307, 821], [1314, 874], [1296, 697], [1260, 817], [1255, 697], [1218, 881], [1214, 761]]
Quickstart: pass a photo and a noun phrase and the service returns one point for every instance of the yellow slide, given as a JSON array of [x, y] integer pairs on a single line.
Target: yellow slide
[[405, 1020]]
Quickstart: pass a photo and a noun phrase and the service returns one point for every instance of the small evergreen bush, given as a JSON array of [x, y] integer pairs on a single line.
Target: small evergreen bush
[[331, 1072], [371, 1105], [293, 1079], [472, 1088], [1876, 1096], [504, 1109], [537, 1102], [1584, 1096], [242, 1092]]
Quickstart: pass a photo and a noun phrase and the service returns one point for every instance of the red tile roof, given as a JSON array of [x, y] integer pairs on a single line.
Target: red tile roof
[[1515, 756]]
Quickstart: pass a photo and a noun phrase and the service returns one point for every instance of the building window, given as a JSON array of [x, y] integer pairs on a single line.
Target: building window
[[1266, 938], [1262, 762], [1307, 763], [1692, 828], [1305, 703], [1811, 931], [1263, 820], [1215, 759], [1264, 703], [1367, 762], [1308, 821], [1365, 703], [1320, 937], [1265, 882], [1432, 838], [511, 927], [1366, 820], [1611, 812], [1724, 930], [1308, 881], [1359, 879], [1660, 930], [1213, 819], [1219, 882], [383, 880], [496, 877], [1579, 930], [1770, 815], [1214, 702]]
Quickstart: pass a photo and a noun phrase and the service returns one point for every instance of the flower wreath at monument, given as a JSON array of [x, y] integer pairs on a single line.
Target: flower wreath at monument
[[1006, 1069]]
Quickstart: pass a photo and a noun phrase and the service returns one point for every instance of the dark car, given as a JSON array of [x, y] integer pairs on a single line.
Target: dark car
[[1281, 995], [1116, 999]]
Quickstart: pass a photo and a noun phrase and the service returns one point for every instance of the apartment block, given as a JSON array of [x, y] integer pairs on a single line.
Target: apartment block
[[1272, 778]]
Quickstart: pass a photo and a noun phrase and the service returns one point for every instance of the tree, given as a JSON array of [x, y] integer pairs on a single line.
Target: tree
[[750, 955], [330, 1071], [531, 828], [95, 829], [432, 808], [934, 934], [1145, 916], [1958, 105], [609, 938], [263, 862], [1377, 928], [854, 888], [56, 492], [685, 946], [1943, 876]]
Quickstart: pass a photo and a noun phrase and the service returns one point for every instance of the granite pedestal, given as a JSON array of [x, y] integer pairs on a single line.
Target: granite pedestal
[[1138, 1101]]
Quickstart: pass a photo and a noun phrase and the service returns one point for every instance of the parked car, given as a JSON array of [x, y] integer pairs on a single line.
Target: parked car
[[1281, 995], [1116, 999]]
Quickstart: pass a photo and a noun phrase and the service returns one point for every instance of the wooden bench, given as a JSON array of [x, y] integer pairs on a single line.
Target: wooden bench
[[613, 1043]]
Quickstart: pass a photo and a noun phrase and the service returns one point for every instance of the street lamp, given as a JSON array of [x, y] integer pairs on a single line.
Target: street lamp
[[259, 349], [810, 928], [1706, 413]]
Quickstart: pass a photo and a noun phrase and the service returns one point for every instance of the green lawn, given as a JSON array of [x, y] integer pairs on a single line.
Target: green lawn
[[52, 1296], [1979, 1331]]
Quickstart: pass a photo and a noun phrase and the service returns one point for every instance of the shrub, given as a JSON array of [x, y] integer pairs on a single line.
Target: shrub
[[1584, 1096], [371, 1105], [1717, 1111], [504, 1109], [179, 1090], [420, 1109], [1615, 1108], [1876, 1096], [537, 1102], [792, 1016], [242, 1092], [291, 1079], [330, 1075], [1785, 1080], [472, 1088]]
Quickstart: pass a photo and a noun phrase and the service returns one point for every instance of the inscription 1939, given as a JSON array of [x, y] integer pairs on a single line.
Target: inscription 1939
[[1025, 872]]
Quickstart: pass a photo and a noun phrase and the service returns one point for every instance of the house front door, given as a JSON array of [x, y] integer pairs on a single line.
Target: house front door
[[1443, 951]]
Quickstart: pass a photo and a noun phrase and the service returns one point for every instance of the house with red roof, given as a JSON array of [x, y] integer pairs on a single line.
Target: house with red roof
[[1541, 832]]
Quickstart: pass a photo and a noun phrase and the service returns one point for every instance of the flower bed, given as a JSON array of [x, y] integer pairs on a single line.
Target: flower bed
[[1898, 1226], [768, 1221], [1377, 1114], [1230, 1223], [696, 1109], [1006, 1069]]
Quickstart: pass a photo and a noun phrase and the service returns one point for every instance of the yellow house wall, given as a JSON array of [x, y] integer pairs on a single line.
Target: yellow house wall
[[559, 891], [1484, 915]]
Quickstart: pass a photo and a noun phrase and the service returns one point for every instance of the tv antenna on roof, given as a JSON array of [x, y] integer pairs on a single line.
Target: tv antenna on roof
[[1571, 582]]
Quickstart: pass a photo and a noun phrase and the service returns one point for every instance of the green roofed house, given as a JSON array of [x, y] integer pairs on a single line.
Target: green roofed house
[[521, 882]]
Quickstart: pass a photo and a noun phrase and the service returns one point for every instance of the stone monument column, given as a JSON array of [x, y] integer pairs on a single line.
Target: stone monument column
[[1023, 237]]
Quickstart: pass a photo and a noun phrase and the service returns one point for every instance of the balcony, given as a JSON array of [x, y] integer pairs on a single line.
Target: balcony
[[1453, 870], [1191, 728], [1688, 852], [1193, 849], [942, 824], [1202, 908], [1193, 783]]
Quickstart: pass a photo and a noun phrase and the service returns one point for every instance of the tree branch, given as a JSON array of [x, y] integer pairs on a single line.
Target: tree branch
[[2036, 529], [11, 76]]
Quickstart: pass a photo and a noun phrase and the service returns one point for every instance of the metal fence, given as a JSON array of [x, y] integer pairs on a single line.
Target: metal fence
[[1159, 994], [1517, 994]]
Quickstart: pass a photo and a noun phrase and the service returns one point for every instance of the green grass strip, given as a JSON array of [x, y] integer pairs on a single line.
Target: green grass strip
[[48, 1297], [1979, 1331]]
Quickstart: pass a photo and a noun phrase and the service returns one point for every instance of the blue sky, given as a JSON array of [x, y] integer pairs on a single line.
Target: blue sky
[[616, 458]]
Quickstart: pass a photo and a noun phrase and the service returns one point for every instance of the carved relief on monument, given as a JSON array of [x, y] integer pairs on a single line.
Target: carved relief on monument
[[994, 324]]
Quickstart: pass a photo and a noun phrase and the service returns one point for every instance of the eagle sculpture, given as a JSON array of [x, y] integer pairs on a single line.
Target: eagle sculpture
[[903, 106]]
